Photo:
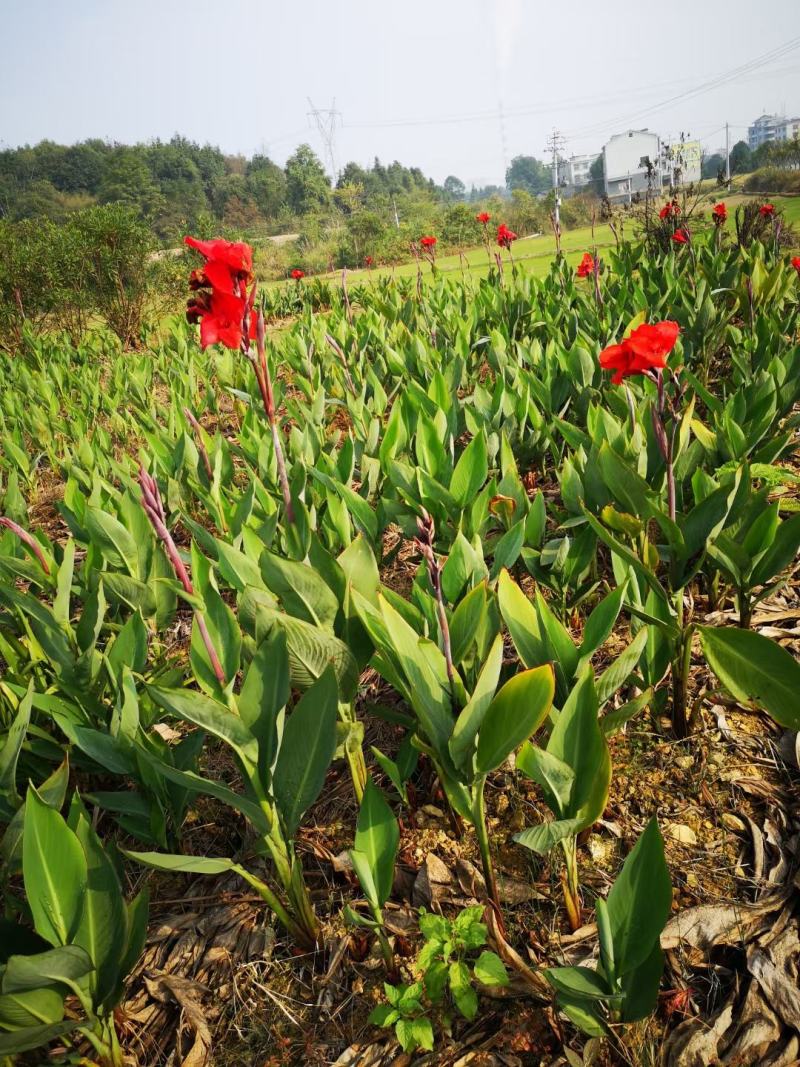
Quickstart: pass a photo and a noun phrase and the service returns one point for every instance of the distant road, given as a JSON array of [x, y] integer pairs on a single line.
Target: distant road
[[276, 239]]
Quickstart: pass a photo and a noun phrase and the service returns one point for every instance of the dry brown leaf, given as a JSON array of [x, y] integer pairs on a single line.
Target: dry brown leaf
[[716, 924]]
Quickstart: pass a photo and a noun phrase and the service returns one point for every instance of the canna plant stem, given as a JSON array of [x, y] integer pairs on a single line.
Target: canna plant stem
[[482, 833], [154, 509], [268, 398], [27, 539], [569, 882]]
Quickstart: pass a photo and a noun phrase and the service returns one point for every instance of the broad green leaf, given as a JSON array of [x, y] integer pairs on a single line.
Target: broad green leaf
[[522, 621], [578, 982], [755, 670], [601, 622], [468, 723], [414, 1033], [102, 928], [33, 1037], [618, 672], [60, 965], [616, 719], [377, 838], [431, 702], [54, 871], [550, 772], [489, 969], [301, 590], [464, 996], [578, 741], [640, 986], [306, 751], [117, 545], [311, 649], [470, 471], [264, 694], [639, 901], [164, 861], [9, 753], [210, 715], [519, 708]]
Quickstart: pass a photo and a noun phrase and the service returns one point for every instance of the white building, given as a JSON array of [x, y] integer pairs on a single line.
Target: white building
[[768, 128], [625, 163], [681, 162], [574, 173]]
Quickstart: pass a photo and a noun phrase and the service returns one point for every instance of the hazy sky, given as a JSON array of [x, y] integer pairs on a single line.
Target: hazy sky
[[422, 81]]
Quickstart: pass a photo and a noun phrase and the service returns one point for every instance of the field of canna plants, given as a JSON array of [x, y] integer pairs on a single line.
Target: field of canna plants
[[416, 682]]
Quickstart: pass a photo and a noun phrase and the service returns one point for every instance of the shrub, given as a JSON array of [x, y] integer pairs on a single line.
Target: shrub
[[100, 263], [773, 180]]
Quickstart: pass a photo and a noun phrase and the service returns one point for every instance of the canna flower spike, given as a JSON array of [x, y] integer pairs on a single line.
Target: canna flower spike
[[646, 349], [719, 214], [220, 301], [681, 237], [483, 218], [505, 237], [587, 266]]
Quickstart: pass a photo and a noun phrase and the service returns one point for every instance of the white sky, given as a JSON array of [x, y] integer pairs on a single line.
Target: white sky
[[422, 81]]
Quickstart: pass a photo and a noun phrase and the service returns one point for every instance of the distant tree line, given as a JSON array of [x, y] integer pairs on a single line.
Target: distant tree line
[[373, 212], [179, 185]]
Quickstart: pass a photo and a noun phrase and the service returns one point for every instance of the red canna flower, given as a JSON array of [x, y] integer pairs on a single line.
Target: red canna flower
[[645, 349], [767, 210], [680, 237], [221, 317], [670, 210], [221, 304], [368, 261], [505, 237], [796, 263], [719, 214], [297, 274], [236, 255], [586, 265], [483, 218], [427, 242]]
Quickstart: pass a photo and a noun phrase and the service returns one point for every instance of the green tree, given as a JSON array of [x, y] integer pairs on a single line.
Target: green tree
[[459, 226], [741, 158], [307, 184], [454, 188], [530, 174], [266, 184], [713, 165], [597, 172], [128, 181]]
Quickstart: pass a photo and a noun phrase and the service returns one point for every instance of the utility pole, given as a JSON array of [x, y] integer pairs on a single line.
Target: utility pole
[[727, 156], [326, 121], [555, 145]]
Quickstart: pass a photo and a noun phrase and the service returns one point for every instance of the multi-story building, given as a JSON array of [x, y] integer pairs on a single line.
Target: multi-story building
[[767, 128], [574, 173], [681, 162], [631, 163]]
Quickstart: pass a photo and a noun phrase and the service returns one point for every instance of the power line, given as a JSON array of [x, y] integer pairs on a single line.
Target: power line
[[704, 87], [326, 120]]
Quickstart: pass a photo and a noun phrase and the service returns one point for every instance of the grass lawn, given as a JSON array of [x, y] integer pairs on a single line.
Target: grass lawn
[[537, 252]]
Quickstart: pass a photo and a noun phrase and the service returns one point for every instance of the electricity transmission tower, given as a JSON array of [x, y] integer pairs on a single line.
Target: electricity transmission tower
[[555, 145], [326, 121]]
